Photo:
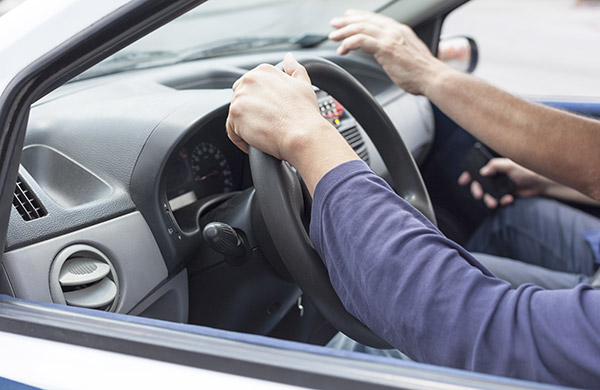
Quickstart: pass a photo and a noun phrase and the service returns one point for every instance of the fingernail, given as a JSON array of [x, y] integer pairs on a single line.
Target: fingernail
[[335, 21]]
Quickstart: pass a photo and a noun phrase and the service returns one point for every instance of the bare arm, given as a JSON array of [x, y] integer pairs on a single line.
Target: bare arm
[[559, 191], [559, 145]]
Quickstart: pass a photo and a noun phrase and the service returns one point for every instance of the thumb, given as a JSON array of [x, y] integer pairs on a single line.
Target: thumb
[[495, 166], [294, 69]]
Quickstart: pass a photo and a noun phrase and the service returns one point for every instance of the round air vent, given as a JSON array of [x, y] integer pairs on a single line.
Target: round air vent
[[83, 276]]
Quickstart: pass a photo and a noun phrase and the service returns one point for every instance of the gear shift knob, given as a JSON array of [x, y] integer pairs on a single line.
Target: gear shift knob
[[226, 240]]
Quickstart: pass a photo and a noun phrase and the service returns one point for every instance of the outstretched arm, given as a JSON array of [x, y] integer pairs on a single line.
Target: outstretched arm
[[395, 271], [559, 145], [429, 298]]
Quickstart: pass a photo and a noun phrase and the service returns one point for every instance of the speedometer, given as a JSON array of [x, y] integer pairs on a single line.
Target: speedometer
[[211, 170]]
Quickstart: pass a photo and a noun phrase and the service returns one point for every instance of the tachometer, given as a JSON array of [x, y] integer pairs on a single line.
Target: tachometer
[[211, 170]]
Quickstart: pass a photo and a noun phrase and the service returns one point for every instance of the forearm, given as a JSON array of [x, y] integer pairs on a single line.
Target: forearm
[[428, 297], [562, 192], [557, 144]]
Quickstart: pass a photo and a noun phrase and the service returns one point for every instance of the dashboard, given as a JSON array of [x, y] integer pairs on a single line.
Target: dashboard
[[130, 167]]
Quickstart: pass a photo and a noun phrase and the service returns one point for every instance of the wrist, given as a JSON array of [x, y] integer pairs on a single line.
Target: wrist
[[316, 150], [304, 139], [547, 187], [435, 78]]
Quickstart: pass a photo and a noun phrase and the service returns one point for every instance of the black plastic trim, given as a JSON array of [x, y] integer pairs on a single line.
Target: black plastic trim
[[147, 181]]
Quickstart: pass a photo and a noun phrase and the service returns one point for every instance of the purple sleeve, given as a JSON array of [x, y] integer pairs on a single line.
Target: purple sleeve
[[431, 299]]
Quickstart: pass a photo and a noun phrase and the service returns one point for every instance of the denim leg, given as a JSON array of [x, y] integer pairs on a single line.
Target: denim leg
[[539, 231], [517, 273]]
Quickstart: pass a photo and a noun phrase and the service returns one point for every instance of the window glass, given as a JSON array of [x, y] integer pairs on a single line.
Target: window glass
[[221, 27], [533, 47]]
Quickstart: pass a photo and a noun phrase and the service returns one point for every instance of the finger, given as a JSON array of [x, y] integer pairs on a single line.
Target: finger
[[489, 201], [237, 83], [355, 28], [464, 178], [234, 137], [495, 166], [294, 69], [358, 41], [476, 190], [507, 199]]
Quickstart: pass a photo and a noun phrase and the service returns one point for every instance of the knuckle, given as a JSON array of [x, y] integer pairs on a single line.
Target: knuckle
[[404, 29], [234, 110], [361, 26], [249, 78], [387, 46], [264, 67], [358, 39]]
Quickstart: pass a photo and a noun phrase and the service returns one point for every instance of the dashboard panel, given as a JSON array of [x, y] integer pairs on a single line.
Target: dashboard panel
[[154, 143], [207, 164]]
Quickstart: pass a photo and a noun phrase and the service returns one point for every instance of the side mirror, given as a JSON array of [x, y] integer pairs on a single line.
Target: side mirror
[[459, 52]]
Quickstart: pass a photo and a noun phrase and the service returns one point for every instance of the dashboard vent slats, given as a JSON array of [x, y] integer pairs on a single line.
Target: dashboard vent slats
[[83, 276], [355, 139], [27, 205]]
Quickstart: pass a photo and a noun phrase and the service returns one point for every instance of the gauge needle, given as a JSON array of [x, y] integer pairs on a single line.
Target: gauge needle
[[208, 175]]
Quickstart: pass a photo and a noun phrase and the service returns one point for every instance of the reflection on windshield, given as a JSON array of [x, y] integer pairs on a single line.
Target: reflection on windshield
[[229, 21]]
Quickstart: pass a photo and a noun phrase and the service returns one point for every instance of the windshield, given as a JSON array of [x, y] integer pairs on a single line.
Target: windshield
[[232, 26]]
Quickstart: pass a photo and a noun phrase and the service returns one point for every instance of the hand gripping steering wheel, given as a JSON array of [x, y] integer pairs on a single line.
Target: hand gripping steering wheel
[[280, 195]]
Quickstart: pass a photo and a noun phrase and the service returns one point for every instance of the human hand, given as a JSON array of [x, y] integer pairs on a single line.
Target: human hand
[[278, 113], [527, 183], [403, 56], [274, 111]]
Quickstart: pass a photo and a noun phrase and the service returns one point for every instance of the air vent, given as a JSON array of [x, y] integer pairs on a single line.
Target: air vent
[[354, 138], [27, 205], [83, 276]]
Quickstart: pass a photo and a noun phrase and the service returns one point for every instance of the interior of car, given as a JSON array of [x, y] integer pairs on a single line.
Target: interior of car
[[131, 198]]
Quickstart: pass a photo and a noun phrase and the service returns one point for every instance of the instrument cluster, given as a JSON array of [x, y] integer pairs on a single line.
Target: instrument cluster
[[208, 164]]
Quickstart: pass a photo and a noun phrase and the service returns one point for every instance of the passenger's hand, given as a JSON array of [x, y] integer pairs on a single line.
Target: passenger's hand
[[527, 183], [274, 111], [403, 56]]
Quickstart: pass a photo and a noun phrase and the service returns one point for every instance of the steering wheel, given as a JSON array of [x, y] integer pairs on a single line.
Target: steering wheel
[[280, 195]]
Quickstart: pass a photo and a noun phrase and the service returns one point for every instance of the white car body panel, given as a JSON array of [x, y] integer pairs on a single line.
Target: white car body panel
[[53, 365]]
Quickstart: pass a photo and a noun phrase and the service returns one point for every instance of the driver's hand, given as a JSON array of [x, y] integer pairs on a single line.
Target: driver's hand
[[272, 110], [403, 56], [278, 113], [527, 183]]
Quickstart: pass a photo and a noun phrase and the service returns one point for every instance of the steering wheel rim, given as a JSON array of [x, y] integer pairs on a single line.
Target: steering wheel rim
[[278, 187]]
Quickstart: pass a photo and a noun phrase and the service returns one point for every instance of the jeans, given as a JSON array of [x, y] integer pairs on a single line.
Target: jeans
[[545, 235]]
